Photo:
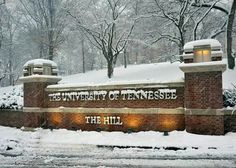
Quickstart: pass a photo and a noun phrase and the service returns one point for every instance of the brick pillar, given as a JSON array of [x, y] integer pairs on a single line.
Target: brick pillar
[[203, 97], [38, 74], [34, 90], [203, 90], [34, 96], [203, 102]]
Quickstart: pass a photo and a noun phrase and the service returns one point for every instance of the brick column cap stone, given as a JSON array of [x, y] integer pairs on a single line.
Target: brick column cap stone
[[203, 67], [40, 78]]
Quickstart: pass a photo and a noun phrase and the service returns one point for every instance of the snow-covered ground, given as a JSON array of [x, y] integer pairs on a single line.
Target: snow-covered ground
[[11, 97], [143, 73], [114, 149], [194, 144]]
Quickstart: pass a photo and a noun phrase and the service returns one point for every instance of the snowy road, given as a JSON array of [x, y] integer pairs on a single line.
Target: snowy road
[[49, 155]]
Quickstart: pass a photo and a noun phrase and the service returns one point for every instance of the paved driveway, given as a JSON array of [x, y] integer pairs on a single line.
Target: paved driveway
[[37, 155]]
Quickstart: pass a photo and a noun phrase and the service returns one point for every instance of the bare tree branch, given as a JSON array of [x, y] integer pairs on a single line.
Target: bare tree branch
[[201, 19], [165, 14], [207, 5], [219, 31], [4, 1], [167, 36]]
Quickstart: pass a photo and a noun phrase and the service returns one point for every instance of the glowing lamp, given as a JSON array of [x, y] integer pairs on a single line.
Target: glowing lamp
[[56, 118], [202, 54]]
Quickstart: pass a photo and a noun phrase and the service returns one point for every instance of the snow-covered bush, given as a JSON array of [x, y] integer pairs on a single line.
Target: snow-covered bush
[[229, 97], [11, 97]]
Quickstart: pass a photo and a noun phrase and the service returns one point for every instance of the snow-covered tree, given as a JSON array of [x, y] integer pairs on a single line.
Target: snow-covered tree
[[47, 18], [107, 27]]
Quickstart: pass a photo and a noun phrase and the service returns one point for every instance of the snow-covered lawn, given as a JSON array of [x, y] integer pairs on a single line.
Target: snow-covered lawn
[[178, 143], [143, 73]]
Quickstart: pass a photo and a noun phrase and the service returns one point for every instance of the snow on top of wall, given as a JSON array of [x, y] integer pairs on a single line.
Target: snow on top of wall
[[133, 74], [212, 42], [40, 62]]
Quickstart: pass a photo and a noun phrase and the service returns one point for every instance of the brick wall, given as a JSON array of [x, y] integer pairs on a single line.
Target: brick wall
[[230, 123], [11, 118], [34, 94], [19, 119], [203, 124], [198, 124], [203, 90], [131, 122]]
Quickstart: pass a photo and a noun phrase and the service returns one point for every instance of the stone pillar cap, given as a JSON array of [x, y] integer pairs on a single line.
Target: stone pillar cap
[[40, 67], [40, 78], [203, 67]]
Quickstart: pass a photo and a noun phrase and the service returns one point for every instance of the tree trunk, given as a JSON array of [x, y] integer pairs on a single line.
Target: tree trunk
[[231, 59], [2, 77], [11, 80], [125, 58], [110, 69], [1, 32], [41, 45], [181, 43], [51, 26], [83, 57], [10, 63], [181, 47], [136, 57], [41, 49], [50, 52]]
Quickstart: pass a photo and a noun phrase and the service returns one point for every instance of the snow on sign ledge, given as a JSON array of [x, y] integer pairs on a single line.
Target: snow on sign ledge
[[40, 62], [119, 84]]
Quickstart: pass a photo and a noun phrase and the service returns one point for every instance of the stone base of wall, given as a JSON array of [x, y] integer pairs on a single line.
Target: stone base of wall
[[230, 123], [19, 119], [210, 121], [11, 118], [206, 125]]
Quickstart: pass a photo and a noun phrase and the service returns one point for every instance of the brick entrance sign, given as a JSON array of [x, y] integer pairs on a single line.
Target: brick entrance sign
[[193, 104]]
